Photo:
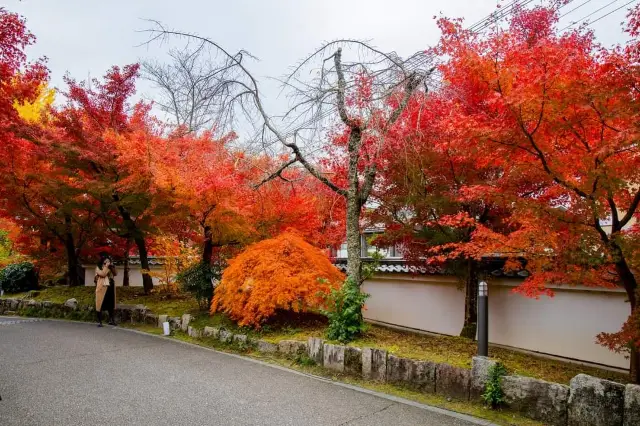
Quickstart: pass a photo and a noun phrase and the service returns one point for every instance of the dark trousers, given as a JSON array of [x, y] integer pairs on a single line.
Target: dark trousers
[[108, 304]]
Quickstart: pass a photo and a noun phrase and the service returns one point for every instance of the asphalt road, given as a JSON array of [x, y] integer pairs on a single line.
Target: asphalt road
[[62, 373]]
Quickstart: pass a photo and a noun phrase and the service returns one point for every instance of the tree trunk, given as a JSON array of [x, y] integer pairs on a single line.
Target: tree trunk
[[73, 266], [147, 282], [138, 238], [631, 287], [125, 275], [207, 251], [354, 245], [470, 326]]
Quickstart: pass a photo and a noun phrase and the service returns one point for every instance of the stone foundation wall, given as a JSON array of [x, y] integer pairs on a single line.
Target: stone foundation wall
[[587, 401]]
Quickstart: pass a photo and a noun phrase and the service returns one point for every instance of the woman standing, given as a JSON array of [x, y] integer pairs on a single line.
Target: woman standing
[[105, 289]]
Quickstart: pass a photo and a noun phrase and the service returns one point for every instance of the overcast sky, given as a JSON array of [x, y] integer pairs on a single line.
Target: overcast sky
[[86, 37]]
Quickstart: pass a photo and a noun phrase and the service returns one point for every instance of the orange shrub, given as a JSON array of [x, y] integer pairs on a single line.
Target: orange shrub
[[282, 273]]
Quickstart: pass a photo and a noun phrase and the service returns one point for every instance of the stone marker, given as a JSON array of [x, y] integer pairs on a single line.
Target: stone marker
[[292, 347], [631, 405], [596, 402], [374, 364], [399, 370], [424, 376], [186, 318], [537, 399], [453, 381], [316, 346], [479, 375], [212, 331], [225, 336], [267, 347], [162, 319], [353, 361], [71, 304], [333, 357]]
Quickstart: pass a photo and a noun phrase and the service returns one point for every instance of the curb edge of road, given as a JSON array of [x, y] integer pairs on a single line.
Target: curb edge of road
[[392, 398]]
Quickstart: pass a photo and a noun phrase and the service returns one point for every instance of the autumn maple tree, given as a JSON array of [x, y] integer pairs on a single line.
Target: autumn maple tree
[[282, 273], [423, 202], [556, 114]]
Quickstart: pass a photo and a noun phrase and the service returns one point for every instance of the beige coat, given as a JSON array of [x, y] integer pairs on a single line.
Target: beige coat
[[102, 283]]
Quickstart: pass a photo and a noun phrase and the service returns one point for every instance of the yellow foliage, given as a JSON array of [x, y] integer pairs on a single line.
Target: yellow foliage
[[282, 273], [177, 257], [33, 111]]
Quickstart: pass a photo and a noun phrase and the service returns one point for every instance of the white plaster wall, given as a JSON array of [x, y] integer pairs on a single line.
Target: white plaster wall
[[565, 325], [426, 303], [135, 276]]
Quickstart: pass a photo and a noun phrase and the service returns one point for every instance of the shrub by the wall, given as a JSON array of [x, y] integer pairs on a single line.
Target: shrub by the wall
[[282, 273], [198, 280], [18, 277]]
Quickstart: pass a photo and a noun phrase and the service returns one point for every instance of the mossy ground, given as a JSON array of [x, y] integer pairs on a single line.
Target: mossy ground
[[457, 351]]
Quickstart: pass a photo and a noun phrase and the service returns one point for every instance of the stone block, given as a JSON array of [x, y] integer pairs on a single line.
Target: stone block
[[71, 304], [353, 361], [138, 314], [631, 405], [162, 319], [374, 364], [32, 304], [225, 336], [194, 332], [596, 402], [240, 339], [123, 313], [212, 332], [13, 304], [316, 350], [151, 319], [333, 357], [453, 381], [266, 347], [184, 324], [537, 399], [399, 370], [423, 377], [174, 323], [480, 367], [292, 347]]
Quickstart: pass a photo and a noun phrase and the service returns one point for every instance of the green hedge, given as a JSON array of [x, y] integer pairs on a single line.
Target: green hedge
[[18, 278]]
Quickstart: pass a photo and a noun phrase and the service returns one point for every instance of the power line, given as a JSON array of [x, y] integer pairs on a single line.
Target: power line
[[575, 8], [591, 14], [615, 10]]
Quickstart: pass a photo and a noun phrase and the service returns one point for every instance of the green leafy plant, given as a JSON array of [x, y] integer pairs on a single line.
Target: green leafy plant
[[493, 394], [19, 277], [304, 360], [198, 280], [344, 306], [344, 310]]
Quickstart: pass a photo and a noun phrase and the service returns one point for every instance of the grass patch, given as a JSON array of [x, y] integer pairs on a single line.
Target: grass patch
[[158, 301]]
